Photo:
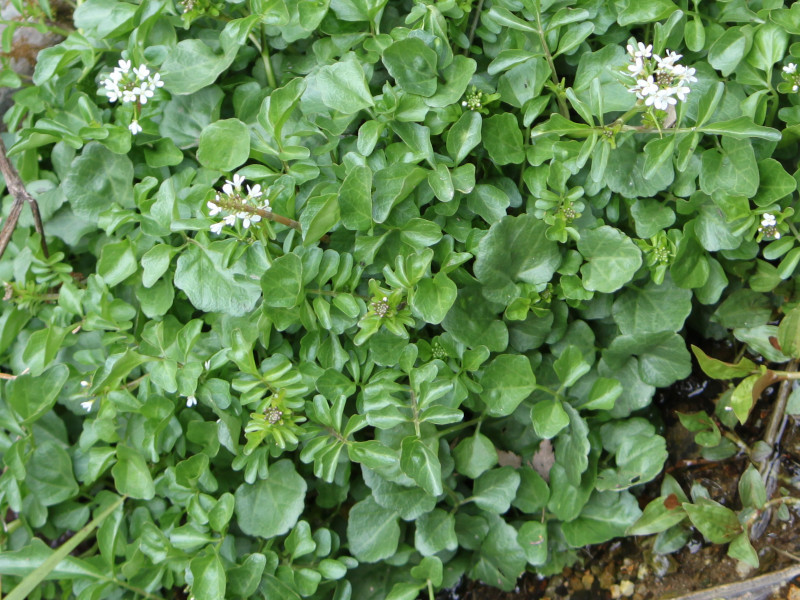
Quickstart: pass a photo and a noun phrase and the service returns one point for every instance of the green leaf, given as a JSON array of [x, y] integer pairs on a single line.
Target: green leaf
[[49, 474], [506, 382], [421, 464], [413, 65], [409, 502], [752, 492], [131, 475], [515, 250], [789, 333], [637, 11], [652, 308], [117, 262], [155, 263], [606, 516], [355, 199], [192, 65], [603, 395], [464, 135], [742, 128], [271, 507], [494, 490], [612, 259], [320, 215], [657, 152], [203, 274], [343, 86], [775, 182], [571, 366], [372, 531], [224, 145], [500, 560], [726, 53], [718, 524], [741, 549], [433, 298], [742, 400], [209, 576], [96, 177], [435, 531], [532, 538], [429, 568], [393, 185], [441, 182], [31, 397], [549, 418], [722, 370], [502, 139], [474, 455], [659, 515]]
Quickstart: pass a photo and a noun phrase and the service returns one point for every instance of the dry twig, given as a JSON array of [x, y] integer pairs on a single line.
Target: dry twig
[[17, 190]]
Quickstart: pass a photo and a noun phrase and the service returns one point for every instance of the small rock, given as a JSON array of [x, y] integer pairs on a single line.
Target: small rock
[[626, 587], [743, 569], [587, 580], [616, 592], [606, 579]]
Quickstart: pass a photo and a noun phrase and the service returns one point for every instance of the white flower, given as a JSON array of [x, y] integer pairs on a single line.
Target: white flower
[[207, 364], [217, 227], [254, 192], [668, 62], [229, 219], [155, 81], [637, 68], [124, 66], [135, 127], [87, 405], [84, 384], [641, 51], [191, 401], [768, 220], [141, 72], [213, 209], [247, 218], [237, 182], [790, 68], [265, 206]]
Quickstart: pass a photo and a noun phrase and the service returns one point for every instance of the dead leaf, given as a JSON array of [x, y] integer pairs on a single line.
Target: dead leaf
[[543, 459]]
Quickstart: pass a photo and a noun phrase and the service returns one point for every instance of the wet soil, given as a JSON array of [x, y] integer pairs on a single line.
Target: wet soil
[[628, 568]]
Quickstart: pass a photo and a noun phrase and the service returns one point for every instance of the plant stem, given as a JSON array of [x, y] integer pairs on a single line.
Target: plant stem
[[474, 26], [430, 590], [264, 52], [458, 427], [768, 505], [562, 103]]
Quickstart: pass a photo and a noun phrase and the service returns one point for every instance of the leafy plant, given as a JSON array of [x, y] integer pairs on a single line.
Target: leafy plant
[[370, 296]]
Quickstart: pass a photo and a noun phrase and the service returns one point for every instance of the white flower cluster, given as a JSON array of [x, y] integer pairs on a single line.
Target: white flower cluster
[[769, 226], [792, 76], [131, 86], [660, 82], [232, 201]]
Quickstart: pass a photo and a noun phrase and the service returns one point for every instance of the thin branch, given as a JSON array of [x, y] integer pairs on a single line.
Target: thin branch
[[474, 25], [17, 190]]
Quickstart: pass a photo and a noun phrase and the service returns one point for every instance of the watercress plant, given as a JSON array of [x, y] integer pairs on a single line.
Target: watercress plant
[[369, 296]]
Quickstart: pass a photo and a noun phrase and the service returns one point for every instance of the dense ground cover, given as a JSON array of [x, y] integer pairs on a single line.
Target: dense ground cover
[[350, 298]]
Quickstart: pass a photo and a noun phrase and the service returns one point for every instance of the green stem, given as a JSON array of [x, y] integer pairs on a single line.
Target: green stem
[[430, 590], [474, 26], [263, 50], [563, 108], [767, 505], [458, 427]]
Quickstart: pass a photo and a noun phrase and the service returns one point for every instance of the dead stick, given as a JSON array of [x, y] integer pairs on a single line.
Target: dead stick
[[17, 190]]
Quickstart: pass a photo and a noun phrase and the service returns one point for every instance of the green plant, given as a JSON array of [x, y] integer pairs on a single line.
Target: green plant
[[466, 235]]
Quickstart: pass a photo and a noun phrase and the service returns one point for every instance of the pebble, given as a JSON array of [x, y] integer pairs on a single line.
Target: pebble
[[616, 592], [588, 580], [626, 587]]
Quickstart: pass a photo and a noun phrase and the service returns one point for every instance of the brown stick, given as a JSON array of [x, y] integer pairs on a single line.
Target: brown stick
[[17, 190]]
